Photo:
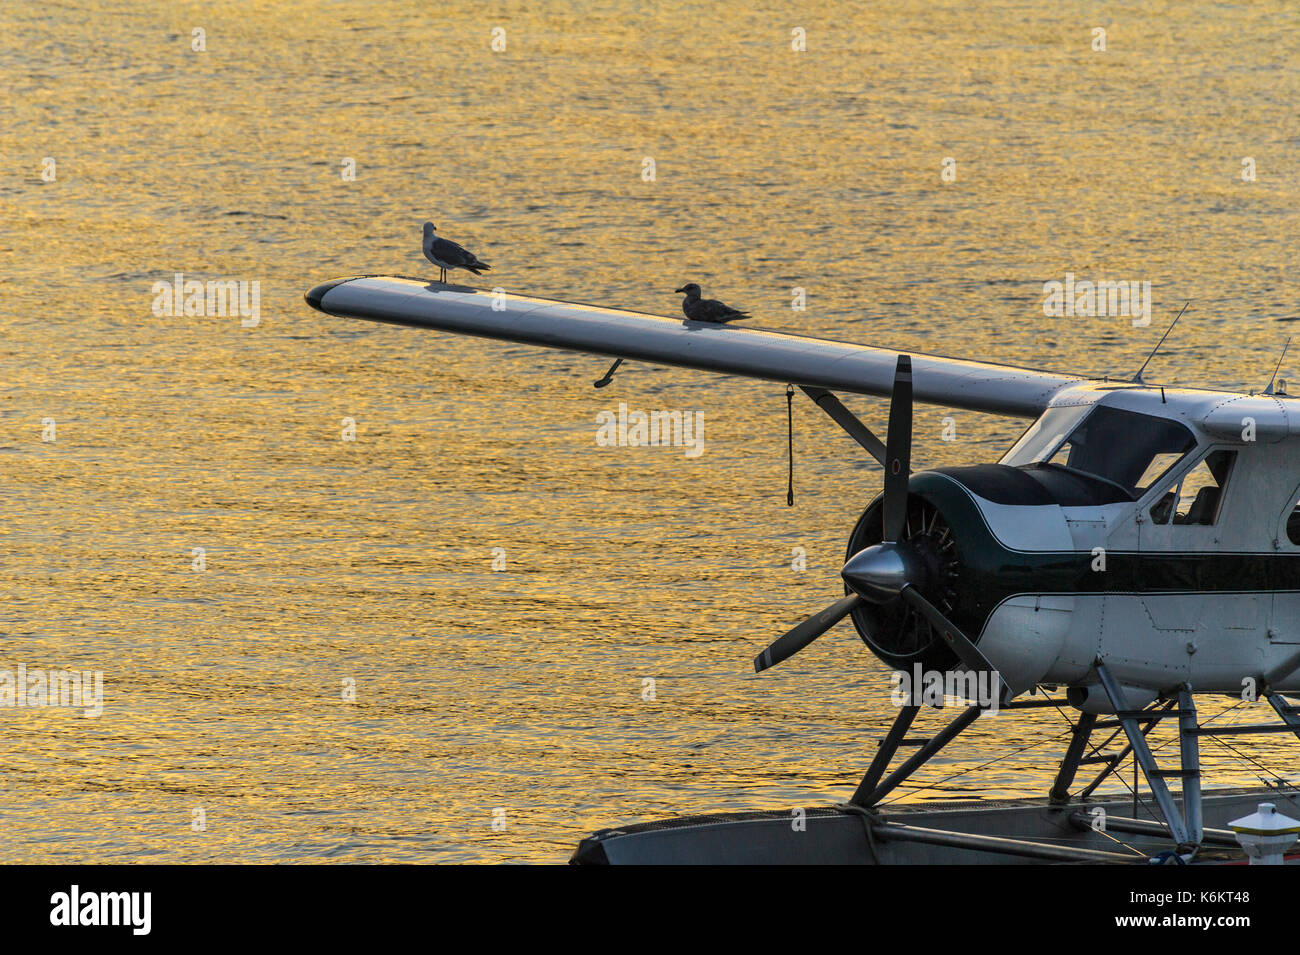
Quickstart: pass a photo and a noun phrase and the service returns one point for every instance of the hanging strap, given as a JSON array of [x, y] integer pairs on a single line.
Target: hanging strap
[[789, 419]]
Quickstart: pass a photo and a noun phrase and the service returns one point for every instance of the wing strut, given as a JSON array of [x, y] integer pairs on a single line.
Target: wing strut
[[846, 419]]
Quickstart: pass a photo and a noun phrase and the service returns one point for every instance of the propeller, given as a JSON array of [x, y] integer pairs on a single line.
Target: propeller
[[898, 454], [893, 568]]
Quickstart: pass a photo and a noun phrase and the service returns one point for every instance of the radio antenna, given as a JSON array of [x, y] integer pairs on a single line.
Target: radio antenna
[[1269, 389], [1138, 377]]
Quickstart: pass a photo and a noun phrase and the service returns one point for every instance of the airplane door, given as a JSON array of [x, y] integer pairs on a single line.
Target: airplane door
[[1180, 567], [1285, 627]]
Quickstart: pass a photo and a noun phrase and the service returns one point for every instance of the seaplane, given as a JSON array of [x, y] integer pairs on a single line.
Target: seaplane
[[1135, 549]]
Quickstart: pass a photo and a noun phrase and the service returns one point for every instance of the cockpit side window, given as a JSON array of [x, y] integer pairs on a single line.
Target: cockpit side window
[[1196, 496]]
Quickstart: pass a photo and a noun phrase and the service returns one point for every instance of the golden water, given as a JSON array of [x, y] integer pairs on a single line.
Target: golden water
[[329, 561]]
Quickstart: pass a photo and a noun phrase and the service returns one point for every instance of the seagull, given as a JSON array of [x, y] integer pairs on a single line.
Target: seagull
[[448, 255], [707, 309]]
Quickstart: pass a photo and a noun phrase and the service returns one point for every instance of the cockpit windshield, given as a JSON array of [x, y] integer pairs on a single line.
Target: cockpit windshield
[[1125, 449]]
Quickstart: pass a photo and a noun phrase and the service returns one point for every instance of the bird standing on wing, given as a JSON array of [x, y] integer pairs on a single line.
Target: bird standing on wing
[[448, 255], [707, 309]]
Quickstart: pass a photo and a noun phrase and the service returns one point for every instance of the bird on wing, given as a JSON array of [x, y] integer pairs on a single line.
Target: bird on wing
[[448, 255], [707, 309]]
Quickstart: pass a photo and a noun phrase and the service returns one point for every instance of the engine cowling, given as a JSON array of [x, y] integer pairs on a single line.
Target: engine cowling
[[958, 563], [894, 630]]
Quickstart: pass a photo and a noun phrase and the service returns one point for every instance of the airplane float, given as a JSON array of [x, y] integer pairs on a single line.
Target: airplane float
[[1136, 547]]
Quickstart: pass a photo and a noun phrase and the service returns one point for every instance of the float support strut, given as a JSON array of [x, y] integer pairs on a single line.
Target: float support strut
[[1070, 765], [902, 722], [869, 796], [1290, 714], [1178, 825]]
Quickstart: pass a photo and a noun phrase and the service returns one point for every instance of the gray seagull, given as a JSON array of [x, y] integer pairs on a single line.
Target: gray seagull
[[707, 309], [448, 255]]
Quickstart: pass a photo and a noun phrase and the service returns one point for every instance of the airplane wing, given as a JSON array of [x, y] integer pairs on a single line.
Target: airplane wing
[[729, 349]]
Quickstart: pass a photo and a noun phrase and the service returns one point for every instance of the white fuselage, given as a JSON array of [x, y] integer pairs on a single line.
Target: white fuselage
[[1232, 616]]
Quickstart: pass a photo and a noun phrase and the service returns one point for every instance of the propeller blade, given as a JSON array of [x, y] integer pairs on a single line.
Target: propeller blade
[[805, 633], [898, 451], [966, 651]]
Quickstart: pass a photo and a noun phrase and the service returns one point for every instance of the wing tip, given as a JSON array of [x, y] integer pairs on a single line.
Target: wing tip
[[315, 296]]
